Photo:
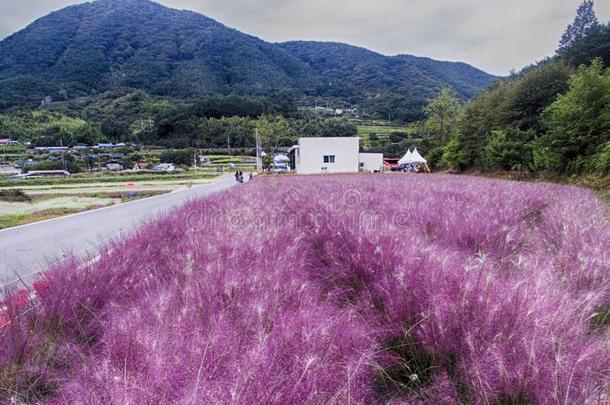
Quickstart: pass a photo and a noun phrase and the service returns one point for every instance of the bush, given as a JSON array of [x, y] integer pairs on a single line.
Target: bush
[[600, 162], [454, 156], [509, 149], [14, 196], [178, 157], [70, 165]]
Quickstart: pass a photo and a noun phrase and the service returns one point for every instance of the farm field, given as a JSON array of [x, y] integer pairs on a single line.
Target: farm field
[[332, 289], [41, 199], [382, 132], [34, 207], [86, 178]]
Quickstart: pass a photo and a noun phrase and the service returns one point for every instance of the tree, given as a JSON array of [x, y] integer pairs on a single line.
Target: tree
[[286, 102], [442, 113], [179, 157], [453, 156], [510, 149], [595, 45], [396, 136], [274, 131], [578, 122], [533, 92], [217, 133], [583, 23]]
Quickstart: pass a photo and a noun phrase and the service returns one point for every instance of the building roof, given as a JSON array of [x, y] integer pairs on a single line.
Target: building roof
[[406, 158], [416, 157]]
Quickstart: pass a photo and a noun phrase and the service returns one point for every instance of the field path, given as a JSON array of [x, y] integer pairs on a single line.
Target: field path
[[28, 249]]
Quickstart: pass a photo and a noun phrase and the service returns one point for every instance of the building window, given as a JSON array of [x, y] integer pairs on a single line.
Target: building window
[[329, 158]]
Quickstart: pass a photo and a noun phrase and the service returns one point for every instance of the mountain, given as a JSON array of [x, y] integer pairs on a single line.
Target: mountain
[[94, 47]]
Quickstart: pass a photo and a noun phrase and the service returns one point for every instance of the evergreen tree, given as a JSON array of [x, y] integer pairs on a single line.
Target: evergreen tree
[[583, 23]]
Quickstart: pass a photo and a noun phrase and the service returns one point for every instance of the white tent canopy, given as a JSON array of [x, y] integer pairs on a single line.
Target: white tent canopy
[[416, 157], [280, 158], [407, 158]]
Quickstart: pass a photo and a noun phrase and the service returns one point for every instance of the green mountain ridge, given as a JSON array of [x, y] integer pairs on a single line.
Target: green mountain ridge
[[86, 49]]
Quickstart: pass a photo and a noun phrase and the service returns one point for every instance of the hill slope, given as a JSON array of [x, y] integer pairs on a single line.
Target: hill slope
[[106, 44]]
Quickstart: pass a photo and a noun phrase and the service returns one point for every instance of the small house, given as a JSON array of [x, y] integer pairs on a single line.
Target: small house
[[325, 155], [332, 155], [114, 166], [164, 167]]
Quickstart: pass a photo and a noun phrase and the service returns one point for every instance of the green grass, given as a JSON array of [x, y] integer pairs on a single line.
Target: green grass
[[605, 195], [118, 178], [382, 132], [9, 221], [15, 195], [12, 149], [601, 319]]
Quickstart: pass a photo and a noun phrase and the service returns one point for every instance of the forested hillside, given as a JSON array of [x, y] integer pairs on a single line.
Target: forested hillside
[[109, 45], [551, 117]]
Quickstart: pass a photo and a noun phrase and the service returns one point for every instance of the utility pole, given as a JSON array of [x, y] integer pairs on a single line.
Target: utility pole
[[63, 157], [259, 161]]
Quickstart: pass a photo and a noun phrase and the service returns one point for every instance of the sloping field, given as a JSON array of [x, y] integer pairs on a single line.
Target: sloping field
[[429, 289]]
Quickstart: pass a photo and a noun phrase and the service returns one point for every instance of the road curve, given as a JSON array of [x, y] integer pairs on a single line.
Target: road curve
[[28, 249]]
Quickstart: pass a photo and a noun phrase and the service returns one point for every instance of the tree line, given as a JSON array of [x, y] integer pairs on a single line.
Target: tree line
[[553, 116], [136, 117]]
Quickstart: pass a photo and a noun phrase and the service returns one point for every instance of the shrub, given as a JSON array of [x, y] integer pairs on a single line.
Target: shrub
[[510, 149], [14, 195]]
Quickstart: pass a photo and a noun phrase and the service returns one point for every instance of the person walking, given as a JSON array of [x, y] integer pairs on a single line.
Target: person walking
[[237, 177]]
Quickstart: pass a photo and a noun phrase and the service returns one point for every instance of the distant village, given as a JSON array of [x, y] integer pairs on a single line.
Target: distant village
[[114, 157]]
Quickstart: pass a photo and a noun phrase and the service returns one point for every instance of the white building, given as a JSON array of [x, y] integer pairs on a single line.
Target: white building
[[164, 167], [114, 166], [332, 155], [371, 162]]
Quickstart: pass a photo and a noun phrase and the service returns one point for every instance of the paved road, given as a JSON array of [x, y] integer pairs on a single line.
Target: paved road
[[30, 248]]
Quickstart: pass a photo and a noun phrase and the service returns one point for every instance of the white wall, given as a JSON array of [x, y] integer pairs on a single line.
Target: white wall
[[371, 161], [310, 155]]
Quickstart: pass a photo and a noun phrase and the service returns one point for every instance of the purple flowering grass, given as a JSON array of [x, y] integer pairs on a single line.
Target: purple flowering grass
[[411, 289]]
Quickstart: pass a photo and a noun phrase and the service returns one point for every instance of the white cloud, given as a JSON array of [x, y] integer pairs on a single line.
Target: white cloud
[[494, 35]]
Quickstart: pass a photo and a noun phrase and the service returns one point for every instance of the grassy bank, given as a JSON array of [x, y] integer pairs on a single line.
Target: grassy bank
[[381, 131], [598, 183], [105, 178], [18, 208]]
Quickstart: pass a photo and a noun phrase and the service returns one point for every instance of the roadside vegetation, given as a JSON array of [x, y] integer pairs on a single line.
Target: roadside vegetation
[[108, 178], [19, 208], [12, 220], [244, 297]]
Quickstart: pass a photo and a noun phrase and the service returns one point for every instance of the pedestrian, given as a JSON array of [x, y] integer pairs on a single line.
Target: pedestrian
[[250, 176], [241, 177], [237, 177]]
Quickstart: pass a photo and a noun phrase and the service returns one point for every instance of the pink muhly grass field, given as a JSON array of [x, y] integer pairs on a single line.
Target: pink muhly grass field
[[431, 289]]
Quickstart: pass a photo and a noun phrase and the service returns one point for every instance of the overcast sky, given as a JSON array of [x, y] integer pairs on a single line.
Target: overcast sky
[[494, 35]]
